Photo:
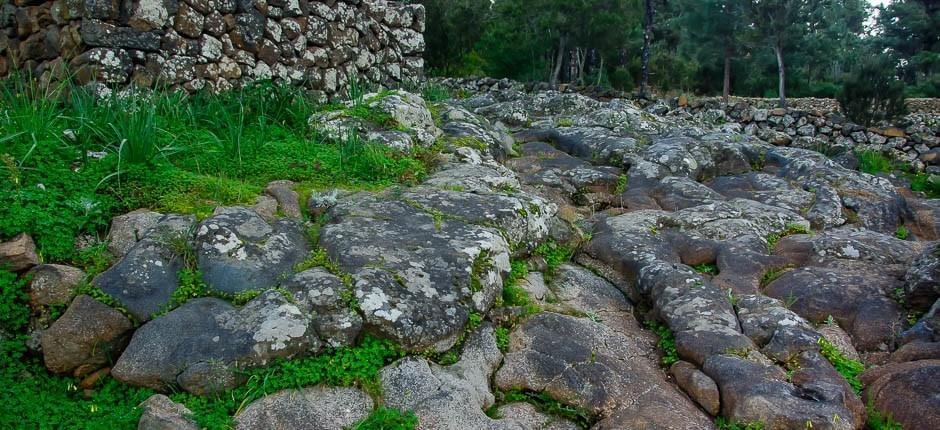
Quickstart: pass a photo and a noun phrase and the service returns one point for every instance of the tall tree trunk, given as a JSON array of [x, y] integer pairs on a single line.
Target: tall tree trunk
[[582, 59], [726, 88], [559, 58], [647, 38], [781, 70], [600, 73]]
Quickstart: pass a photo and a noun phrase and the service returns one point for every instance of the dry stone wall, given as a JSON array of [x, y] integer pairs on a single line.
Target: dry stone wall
[[219, 44]]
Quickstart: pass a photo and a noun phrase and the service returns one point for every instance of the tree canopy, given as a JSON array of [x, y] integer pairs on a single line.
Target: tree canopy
[[766, 48]]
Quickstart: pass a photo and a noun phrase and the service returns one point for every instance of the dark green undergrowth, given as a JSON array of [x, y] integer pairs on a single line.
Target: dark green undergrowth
[[554, 254], [726, 424], [875, 163], [69, 162], [878, 420], [35, 399], [357, 366]]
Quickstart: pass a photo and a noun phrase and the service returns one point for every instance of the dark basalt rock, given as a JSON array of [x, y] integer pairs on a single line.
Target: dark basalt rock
[[237, 250]]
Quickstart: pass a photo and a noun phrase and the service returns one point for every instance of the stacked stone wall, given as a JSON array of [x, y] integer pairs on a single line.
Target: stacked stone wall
[[216, 44]]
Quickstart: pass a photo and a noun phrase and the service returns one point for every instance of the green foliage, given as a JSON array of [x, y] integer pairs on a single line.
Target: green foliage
[[849, 369], [878, 420], [622, 182], [513, 294], [790, 229], [14, 313], [340, 367], [872, 93], [902, 233], [548, 405], [667, 342], [727, 424], [385, 418], [482, 263], [554, 254], [926, 183], [502, 338], [706, 268], [772, 275], [874, 162], [168, 151]]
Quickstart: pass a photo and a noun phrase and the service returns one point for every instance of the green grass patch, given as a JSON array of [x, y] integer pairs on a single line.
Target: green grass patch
[[849, 369], [902, 233], [667, 342], [515, 295], [874, 162], [925, 183], [69, 162]]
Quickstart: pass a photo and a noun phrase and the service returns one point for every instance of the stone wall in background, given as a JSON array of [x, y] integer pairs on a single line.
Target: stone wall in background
[[817, 124], [217, 44], [810, 123]]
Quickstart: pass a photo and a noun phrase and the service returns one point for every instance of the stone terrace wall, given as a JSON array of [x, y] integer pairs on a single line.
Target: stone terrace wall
[[218, 44]]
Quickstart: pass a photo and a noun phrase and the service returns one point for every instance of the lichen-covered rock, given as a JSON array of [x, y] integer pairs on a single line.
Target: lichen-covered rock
[[52, 284], [161, 413], [313, 408], [326, 297], [237, 250], [126, 230], [422, 260], [410, 111], [452, 397], [145, 279], [209, 330], [755, 392], [88, 336]]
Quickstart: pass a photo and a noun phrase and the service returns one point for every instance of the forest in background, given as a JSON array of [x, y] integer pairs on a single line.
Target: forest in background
[[695, 46]]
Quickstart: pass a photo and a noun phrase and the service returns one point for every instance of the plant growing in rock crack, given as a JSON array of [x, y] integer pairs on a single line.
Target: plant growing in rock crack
[[727, 424], [554, 254], [667, 342], [878, 420], [790, 229], [452, 355], [384, 418], [706, 268], [482, 263], [848, 368], [902, 233], [544, 403], [772, 274]]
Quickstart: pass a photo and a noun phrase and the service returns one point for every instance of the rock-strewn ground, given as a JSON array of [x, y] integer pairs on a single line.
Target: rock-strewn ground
[[754, 261]]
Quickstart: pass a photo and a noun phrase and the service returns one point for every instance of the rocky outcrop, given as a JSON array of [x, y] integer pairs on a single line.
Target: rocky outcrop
[[217, 45], [423, 259], [199, 345], [88, 336], [319, 408]]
